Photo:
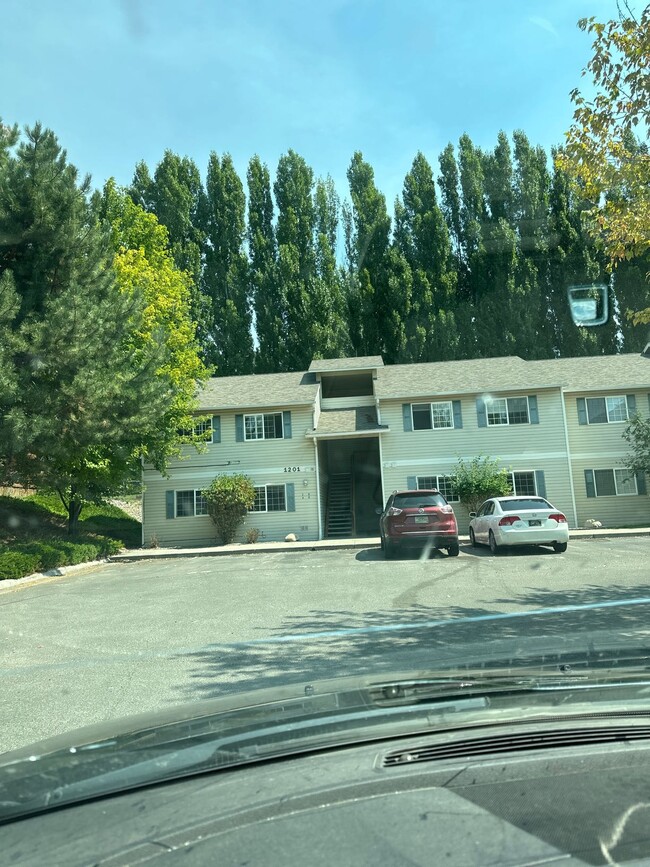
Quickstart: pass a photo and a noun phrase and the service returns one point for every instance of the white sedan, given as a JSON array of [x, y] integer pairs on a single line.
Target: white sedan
[[506, 521]]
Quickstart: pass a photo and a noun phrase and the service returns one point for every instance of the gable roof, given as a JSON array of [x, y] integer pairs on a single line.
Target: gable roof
[[258, 390], [451, 377], [595, 372]]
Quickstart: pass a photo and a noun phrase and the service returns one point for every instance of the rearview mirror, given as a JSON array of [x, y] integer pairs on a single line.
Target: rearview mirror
[[589, 305]]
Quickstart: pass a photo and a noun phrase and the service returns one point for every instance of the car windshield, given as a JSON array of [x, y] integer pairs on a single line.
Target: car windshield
[[418, 500], [270, 268], [523, 504]]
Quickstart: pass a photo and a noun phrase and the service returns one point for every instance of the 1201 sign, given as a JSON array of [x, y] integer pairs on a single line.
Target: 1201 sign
[[293, 469]]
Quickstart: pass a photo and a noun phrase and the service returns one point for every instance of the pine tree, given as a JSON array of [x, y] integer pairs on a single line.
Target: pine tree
[[269, 300], [225, 279]]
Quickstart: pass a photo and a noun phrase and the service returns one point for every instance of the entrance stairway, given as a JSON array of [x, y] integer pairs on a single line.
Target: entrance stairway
[[340, 518]]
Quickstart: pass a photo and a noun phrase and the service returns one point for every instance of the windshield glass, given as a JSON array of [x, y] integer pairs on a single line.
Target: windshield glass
[[270, 269]]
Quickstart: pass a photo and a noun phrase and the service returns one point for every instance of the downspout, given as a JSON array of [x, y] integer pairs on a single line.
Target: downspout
[[320, 517], [381, 454], [568, 455]]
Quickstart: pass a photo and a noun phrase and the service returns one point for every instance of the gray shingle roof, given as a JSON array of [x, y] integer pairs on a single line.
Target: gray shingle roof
[[326, 365], [596, 372], [258, 390], [451, 377], [362, 418]]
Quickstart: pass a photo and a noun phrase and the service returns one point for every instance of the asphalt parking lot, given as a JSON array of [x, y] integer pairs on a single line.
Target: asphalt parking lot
[[130, 637]]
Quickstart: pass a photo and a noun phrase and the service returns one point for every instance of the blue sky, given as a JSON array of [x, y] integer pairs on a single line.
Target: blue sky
[[121, 80]]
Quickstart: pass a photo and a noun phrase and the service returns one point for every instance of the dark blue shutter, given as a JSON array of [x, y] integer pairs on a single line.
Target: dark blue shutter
[[582, 410], [291, 497], [286, 424], [532, 409], [640, 483], [631, 405], [458, 413], [590, 484], [239, 428], [169, 503], [412, 483], [481, 413], [216, 428], [648, 404], [406, 416], [540, 483]]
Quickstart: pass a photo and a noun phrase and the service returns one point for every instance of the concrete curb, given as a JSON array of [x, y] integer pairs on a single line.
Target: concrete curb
[[323, 545], [59, 572]]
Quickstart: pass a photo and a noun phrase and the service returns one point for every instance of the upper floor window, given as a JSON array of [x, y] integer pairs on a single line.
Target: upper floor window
[[604, 410], [507, 410], [263, 426], [204, 430], [427, 416]]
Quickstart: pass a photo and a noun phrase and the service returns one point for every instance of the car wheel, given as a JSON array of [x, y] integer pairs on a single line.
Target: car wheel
[[453, 550], [472, 538], [559, 547], [493, 543]]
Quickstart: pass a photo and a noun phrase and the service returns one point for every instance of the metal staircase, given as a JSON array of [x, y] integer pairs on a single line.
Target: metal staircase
[[340, 506]]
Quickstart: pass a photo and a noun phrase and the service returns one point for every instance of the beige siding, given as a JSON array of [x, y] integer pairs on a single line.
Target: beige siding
[[601, 446], [272, 462], [527, 447]]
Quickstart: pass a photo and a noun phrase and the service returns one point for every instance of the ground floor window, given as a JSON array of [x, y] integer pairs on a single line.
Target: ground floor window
[[614, 483], [444, 484], [190, 503], [523, 484], [270, 498]]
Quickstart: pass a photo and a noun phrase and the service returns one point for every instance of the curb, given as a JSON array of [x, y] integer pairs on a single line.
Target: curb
[[59, 572]]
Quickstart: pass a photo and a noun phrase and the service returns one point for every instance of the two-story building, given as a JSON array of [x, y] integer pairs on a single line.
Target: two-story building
[[325, 447]]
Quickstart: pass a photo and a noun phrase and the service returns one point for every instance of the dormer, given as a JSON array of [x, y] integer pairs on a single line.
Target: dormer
[[346, 383]]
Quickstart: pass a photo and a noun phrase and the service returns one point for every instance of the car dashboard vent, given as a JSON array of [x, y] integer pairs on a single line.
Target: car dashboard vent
[[516, 742]]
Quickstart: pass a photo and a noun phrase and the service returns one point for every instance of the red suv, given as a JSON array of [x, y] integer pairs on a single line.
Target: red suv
[[422, 518]]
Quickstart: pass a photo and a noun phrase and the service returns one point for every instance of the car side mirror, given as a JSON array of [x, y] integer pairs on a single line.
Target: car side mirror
[[589, 305], [472, 514]]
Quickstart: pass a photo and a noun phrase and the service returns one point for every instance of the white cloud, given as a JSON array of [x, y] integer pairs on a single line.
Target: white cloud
[[543, 24]]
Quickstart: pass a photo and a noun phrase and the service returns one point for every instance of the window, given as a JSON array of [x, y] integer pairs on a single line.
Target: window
[[615, 483], [270, 498], [413, 501], [203, 429], [264, 426], [428, 416], [604, 410], [523, 484], [190, 503], [444, 484], [510, 410]]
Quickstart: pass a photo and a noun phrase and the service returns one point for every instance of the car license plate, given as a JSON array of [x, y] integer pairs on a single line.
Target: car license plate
[[534, 523], [421, 519]]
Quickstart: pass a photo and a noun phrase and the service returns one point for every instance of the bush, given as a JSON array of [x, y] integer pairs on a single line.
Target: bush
[[16, 564], [228, 499], [252, 536], [477, 480]]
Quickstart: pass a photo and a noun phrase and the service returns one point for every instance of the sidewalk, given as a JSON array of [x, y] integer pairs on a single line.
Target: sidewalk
[[322, 545]]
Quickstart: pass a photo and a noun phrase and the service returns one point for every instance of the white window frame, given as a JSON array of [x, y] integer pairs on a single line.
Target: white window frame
[[431, 404], [614, 471], [196, 430], [507, 421], [454, 499], [266, 510], [515, 493], [606, 398], [197, 493], [262, 415]]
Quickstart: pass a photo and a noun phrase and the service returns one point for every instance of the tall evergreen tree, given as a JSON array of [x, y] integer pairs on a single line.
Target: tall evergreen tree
[[225, 280], [269, 299]]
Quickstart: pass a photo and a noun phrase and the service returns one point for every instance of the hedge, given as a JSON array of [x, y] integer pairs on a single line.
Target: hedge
[[42, 555]]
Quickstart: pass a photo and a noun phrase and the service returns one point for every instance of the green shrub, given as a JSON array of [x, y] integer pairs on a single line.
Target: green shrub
[[477, 480], [49, 553], [17, 564], [229, 498]]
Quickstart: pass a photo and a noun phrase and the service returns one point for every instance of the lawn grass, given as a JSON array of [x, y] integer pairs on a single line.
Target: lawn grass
[[34, 535]]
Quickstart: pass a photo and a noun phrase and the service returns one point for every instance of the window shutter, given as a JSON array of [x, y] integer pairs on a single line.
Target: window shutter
[[481, 413], [631, 404], [412, 483], [582, 410], [458, 413], [640, 483], [590, 483], [406, 415], [216, 428], [239, 428], [532, 409], [286, 424], [540, 483], [648, 404], [169, 503], [291, 496]]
